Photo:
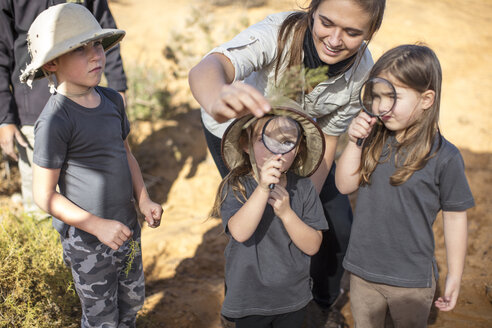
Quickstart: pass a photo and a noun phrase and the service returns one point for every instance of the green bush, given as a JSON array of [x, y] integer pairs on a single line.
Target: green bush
[[35, 284], [147, 97]]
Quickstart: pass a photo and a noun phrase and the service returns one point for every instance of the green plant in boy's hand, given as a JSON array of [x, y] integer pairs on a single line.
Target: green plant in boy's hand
[[134, 250]]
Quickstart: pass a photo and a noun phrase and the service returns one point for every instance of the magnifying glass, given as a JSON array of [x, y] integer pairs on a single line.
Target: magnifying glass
[[280, 135], [377, 98]]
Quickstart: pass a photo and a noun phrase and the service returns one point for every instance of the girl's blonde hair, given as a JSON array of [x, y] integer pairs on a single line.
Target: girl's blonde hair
[[416, 67], [298, 22], [233, 180]]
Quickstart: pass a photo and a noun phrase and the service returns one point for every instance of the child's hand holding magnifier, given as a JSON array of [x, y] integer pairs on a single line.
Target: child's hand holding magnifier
[[270, 172], [377, 98]]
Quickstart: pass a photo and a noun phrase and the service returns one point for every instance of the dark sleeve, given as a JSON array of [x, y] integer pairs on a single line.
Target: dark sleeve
[[116, 99], [8, 108], [455, 192], [52, 135], [125, 124], [313, 214], [114, 71]]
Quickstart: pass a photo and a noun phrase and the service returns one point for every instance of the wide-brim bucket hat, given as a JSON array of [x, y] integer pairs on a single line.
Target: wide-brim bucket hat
[[232, 152], [59, 30]]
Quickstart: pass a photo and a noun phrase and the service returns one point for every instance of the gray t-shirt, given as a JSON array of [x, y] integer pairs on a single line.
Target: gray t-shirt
[[268, 274], [392, 241], [87, 144]]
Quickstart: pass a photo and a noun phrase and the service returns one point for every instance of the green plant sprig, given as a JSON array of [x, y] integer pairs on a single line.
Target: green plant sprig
[[134, 250]]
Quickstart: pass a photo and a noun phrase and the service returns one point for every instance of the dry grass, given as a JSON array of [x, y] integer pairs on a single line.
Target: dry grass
[[35, 284]]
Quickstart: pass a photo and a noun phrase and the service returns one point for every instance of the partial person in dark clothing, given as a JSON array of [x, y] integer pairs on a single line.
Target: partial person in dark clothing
[[20, 106]]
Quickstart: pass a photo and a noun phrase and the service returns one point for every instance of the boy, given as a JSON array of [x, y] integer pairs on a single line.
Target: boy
[[20, 106], [80, 145]]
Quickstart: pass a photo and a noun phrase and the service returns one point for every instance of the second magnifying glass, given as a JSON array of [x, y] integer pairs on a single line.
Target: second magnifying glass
[[280, 135], [377, 98]]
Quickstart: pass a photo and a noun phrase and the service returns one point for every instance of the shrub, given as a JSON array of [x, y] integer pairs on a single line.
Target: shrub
[[35, 284]]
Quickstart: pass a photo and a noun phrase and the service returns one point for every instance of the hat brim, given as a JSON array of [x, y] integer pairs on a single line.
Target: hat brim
[[232, 153], [110, 37]]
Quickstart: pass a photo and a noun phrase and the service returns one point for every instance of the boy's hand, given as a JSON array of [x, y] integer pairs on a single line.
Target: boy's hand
[[152, 212], [112, 233], [451, 292], [279, 200], [270, 171], [360, 127]]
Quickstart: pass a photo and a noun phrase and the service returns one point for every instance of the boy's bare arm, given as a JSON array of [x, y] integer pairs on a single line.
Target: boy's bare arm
[[455, 239], [151, 210], [110, 232]]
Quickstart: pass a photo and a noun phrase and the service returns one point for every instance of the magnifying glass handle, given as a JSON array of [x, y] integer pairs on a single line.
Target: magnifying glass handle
[[359, 141], [271, 186]]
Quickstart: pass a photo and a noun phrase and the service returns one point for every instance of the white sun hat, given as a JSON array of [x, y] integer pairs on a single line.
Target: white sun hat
[[59, 30]]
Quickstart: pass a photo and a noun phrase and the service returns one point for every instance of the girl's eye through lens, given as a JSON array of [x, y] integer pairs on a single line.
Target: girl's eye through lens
[[280, 134]]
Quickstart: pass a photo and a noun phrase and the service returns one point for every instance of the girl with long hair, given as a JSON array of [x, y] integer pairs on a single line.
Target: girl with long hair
[[405, 173], [273, 217]]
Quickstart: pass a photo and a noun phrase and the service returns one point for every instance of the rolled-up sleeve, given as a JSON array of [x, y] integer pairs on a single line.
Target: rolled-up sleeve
[[253, 48]]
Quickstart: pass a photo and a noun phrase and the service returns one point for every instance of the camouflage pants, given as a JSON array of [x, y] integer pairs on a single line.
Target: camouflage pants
[[109, 298]]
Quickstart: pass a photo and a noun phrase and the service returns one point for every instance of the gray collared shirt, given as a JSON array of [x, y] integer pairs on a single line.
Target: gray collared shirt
[[333, 102]]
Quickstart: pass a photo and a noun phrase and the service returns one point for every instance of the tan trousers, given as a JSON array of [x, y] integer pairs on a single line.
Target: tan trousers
[[25, 169], [372, 302]]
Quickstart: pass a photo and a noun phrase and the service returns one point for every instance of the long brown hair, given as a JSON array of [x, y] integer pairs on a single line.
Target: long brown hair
[[416, 67], [233, 180], [298, 22]]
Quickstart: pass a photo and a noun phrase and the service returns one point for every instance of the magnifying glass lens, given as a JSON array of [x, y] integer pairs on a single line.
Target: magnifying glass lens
[[377, 97], [280, 134]]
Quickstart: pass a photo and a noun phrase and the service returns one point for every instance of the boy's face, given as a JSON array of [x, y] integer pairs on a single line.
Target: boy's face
[[81, 68]]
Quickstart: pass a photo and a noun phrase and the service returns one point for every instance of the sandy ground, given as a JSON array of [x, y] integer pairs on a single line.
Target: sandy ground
[[183, 259]]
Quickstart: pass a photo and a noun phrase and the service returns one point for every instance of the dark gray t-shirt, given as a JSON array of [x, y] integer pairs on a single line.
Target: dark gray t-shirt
[[87, 144], [268, 274], [392, 241]]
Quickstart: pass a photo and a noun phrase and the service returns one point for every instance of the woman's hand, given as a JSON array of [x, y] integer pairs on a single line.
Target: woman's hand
[[238, 99], [212, 84]]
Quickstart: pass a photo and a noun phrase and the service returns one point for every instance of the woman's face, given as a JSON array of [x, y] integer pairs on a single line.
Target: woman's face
[[339, 28]]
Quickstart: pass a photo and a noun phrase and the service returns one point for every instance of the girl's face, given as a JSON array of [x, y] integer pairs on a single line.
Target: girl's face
[[262, 154], [409, 106], [339, 28]]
